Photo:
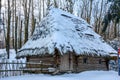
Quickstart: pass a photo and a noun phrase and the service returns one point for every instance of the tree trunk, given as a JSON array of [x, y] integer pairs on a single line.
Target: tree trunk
[[0, 9], [55, 4], [20, 41], [33, 20], [115, 30], [39, 3], [26, 13], [48, 4], [89, 16], [99, 19], [16, 19], [13, 45], [8, 31]]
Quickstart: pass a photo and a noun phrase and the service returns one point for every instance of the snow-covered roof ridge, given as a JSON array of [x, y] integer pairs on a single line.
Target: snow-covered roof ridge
[[65, 32]]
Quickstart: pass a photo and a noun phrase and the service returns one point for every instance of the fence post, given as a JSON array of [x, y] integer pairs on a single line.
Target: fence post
[[9, 73], [6, 68], [21, 68], [17, 68], [0, 69], [13, 68], [3, 63]]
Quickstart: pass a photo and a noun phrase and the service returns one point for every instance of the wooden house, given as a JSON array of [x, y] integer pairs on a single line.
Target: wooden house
[[65, 43]]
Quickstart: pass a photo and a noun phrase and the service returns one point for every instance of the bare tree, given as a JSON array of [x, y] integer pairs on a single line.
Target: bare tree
[[55, 4], [13, 17], [8, 30], [16, 23], [70, 5], [39, 7], [90, 11], [20, 35], [99, 18], [26, 13], [33, 19], [0, 9], [43, 2]]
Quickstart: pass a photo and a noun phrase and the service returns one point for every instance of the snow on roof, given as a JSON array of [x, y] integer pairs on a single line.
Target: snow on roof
[[65, 32], [113, 55], [115, 43]]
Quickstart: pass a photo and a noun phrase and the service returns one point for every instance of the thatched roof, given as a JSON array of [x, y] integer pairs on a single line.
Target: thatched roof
[[65, 32], [115, 43]]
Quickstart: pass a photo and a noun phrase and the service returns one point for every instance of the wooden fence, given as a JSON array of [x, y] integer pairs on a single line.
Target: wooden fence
[[16, 68], [13, 68]]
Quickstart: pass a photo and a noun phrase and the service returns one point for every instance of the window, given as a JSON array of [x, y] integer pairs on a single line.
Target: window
[[85, 60], [100, 61]]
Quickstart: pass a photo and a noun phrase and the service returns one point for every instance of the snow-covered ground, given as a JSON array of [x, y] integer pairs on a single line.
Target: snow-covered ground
[[3, 55], [87, 75]]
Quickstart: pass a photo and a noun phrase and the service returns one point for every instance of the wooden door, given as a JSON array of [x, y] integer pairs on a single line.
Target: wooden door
[[66, 63]]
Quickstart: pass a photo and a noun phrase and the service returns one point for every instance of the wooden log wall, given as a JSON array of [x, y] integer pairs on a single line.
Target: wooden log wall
[[68, 62], [93, 63], [44, 63]]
